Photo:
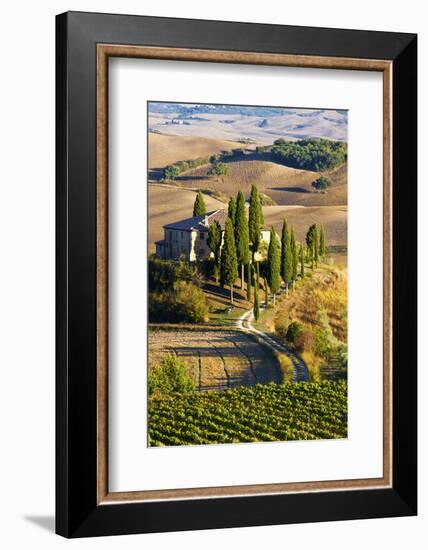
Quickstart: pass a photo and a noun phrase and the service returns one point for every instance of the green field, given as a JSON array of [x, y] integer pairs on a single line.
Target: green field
[[271, 412]]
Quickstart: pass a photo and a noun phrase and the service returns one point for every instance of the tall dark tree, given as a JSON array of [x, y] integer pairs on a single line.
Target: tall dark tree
[[294, 258], [199, 208], [242, 234], [302, 260], [249, 282], [310, 235], [231, 209], [322, 250], [214, 243], [255, 220], [256, 308], [286, 256], [229, 263], [274, 263], [316, 245]]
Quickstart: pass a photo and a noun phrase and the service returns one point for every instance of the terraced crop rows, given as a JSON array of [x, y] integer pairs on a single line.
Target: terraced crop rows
[[271, 412], [216, 359]]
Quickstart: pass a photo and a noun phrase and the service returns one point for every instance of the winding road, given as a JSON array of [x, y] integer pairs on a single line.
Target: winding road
[[245, 323]]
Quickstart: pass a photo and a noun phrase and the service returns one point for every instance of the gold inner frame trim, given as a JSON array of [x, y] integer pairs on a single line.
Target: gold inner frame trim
[[104, 51]]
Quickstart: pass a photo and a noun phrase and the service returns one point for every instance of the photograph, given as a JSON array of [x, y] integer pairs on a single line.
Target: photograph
[[247, 273]]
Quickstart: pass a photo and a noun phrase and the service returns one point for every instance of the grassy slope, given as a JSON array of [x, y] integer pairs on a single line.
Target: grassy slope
[[166, 149], [327, 287], [334, 219], [285, 185]]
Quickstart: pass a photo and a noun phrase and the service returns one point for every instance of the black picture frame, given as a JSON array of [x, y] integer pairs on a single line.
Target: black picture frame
[[77, 511]]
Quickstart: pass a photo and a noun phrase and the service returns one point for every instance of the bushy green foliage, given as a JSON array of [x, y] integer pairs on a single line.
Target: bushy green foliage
[[214, 243], [185, 302], [255, 219], [294, 330], [310, 154], [228, 262], [273, 412], [327, 346], [169, 377], [241, 230], [294, 259], [274, 262], [302, 261], [218, 169], [172, 171], [199, 207], [310, 237], [231, 209], [164, 273], [286, 256], [322, 247], [322, 183]]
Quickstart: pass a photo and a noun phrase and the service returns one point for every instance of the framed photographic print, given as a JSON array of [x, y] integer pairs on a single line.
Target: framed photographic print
[[236, 274]]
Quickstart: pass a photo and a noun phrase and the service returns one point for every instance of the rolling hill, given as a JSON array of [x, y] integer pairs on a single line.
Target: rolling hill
[[283, 184], [167, 149], [289, 187]]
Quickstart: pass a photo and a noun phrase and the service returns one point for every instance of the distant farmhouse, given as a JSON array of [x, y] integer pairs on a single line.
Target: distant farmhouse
[[187, 239]]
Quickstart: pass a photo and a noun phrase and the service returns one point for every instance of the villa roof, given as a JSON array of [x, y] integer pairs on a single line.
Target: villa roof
[[200, 223]]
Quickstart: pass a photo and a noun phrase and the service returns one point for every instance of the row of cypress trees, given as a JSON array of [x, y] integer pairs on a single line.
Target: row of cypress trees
[[242, 238]]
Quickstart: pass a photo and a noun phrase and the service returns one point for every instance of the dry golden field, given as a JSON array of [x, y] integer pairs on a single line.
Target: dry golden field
[[166, 149], [168, 204], [215, 359], [289, 187], [334, 219], [283, 184]]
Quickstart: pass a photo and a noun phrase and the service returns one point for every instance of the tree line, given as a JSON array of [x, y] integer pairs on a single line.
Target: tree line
[[235, 251], [310, 154]]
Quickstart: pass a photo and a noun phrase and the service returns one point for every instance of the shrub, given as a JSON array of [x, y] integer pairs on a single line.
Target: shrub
[[293, 331], [305, 340], [286, 366], [313, 363], [218, 169], [185, 302], [170, 376], [322, 183], [190, 303]]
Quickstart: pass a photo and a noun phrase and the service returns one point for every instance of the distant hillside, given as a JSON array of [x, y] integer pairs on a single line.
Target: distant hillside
[[284, 185], [167, 149], [261, 124]]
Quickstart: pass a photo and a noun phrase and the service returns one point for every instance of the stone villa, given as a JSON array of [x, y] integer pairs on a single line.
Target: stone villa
[[187, 239]]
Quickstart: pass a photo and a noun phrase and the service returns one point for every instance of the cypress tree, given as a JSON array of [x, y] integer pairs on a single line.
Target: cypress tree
[[256, 309], [322, 242], [254, 220], [273, 264], [249, 268], [313, 256], [231, 209], [310, 240], [241, 234], [316, 245], [229, 264], [302, 261], [294, 258], [286, 256], [199, 208], [214, 243]]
